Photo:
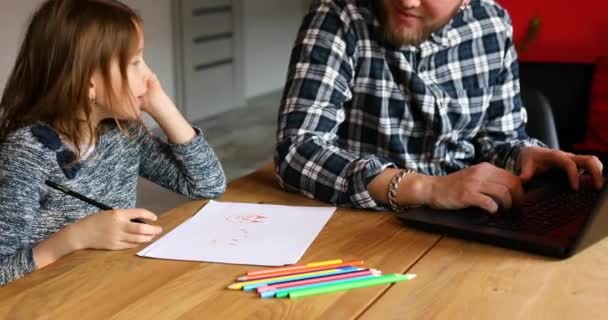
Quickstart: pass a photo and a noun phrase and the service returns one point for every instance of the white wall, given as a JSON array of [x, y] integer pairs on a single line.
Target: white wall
[[159, 39], [269, 36], [270, 28], [15, 14]]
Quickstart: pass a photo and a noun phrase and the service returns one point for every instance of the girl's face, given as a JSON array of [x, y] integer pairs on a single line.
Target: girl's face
[[138, 74]]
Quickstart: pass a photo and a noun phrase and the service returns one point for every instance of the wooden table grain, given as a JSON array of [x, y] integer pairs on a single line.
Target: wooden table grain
[[94, 284], [465, 280]]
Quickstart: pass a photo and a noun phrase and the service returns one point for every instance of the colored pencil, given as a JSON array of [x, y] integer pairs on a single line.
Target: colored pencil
[[344, 270], [241, 285], [282, 293], [391, 278], [294, 267], [297, 283], [300, 270]]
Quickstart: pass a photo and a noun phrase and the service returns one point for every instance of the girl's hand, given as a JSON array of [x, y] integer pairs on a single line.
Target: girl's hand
[[114, 230], [155, 101], [160, 107]]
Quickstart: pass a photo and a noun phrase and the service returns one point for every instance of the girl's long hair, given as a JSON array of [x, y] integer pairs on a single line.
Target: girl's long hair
[[65, 43]]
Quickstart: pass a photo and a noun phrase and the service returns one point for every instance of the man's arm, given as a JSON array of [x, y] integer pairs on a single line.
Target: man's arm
[[308, 157], [503, 132]]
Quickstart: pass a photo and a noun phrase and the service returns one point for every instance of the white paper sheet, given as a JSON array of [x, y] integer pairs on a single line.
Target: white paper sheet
[[242, 233]]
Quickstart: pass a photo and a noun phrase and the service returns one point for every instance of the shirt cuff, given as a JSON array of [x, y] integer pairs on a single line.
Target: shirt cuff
[[365, 171], [510, 163]]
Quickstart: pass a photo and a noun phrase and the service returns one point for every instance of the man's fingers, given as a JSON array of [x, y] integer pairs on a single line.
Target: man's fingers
[[527, 171], [484, 202], [499, 194], [594, 166], [512, 182], [565, 162]]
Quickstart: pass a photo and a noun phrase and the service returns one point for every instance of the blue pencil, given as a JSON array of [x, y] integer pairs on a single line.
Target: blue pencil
[[281, 293], [269, 282]]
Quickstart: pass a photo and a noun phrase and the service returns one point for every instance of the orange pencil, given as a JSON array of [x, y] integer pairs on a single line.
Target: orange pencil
[[242, 284], [284, 272], [294, 267]]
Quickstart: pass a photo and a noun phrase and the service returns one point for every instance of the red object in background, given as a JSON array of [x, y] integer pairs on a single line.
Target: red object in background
[[596, 138], [570, 31]]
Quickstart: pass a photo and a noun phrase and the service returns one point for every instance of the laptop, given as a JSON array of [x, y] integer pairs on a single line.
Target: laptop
[[552, 220]]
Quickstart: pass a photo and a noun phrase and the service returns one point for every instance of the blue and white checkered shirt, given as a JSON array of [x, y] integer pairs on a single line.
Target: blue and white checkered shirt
[[354, 104]]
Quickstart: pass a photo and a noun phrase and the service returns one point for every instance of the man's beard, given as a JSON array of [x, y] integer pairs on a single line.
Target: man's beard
[[394, 36], [412, 37]]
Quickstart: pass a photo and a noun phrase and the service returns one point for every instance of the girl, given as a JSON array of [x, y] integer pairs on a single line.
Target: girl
[[69, 115]]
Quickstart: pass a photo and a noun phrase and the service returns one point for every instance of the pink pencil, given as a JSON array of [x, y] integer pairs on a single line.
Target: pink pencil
[[317, 280]]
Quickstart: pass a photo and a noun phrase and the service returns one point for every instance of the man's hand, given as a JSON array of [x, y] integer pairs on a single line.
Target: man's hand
[[536, 160], [484, 185]]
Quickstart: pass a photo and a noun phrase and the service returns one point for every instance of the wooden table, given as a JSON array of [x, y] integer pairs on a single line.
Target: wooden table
[[457, 279], [465, 280]]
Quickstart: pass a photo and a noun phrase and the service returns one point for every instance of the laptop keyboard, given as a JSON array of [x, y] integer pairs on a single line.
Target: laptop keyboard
[[547, 214]]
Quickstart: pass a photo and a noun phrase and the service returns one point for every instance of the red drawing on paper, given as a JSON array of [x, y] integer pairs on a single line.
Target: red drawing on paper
[[233, 239], [250, 218]]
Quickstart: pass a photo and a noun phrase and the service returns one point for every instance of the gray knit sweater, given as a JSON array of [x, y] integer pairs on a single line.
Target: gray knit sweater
[[30, 211]]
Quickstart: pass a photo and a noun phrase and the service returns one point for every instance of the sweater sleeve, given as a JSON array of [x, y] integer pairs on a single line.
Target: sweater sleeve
[[191, 169], [21, 175]]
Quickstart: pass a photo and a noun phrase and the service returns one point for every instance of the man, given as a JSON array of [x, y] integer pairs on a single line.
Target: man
[[397, 103]]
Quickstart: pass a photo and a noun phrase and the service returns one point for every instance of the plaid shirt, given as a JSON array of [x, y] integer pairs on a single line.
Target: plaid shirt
[[354, 105]]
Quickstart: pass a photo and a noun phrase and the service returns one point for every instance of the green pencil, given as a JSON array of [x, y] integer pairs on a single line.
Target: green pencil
[[389, 278]]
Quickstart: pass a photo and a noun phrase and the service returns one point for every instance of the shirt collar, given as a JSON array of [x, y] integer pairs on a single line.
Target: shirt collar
[[50, 139], [442, 36], [447, 36]]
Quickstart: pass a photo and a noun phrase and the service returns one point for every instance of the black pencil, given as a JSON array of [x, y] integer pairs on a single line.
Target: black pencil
[[86, 199]]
